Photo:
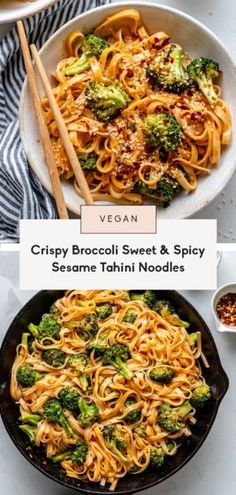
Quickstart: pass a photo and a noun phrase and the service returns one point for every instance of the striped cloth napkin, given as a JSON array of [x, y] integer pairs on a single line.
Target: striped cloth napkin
[[21, 194]]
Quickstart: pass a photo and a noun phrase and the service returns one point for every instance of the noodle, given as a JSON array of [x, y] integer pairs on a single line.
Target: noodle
[[151, 338], [122, 156]]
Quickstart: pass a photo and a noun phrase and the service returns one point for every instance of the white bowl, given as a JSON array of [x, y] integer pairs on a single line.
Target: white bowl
[[222, 291], [197, 40], [12, 10]]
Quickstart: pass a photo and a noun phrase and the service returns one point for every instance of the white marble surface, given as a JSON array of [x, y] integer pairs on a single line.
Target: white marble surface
[[211, 471], [219, 16]]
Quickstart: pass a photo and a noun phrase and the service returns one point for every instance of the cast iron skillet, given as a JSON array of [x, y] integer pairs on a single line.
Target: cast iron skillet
[[215, 376]]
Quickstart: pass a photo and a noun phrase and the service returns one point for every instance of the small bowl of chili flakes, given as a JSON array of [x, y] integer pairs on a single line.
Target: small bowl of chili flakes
[[223, 306]]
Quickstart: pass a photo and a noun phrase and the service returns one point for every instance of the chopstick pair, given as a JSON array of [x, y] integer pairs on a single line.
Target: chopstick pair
[[43, 129]]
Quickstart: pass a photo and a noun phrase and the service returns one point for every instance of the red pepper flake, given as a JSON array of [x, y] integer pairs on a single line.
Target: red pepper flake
[[197, 116], [186, 114], [226, 309], [130, 73]]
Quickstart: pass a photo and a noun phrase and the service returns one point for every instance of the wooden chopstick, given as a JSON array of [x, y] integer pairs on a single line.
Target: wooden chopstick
[[43, 129], [71, 153]]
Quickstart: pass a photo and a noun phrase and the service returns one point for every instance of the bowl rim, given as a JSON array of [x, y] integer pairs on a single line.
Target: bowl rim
[[222, 327], [212, 192], [29, 9], [107, 491]]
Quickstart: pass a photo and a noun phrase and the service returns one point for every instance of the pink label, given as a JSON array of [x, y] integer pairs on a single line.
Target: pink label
[[118, 219]]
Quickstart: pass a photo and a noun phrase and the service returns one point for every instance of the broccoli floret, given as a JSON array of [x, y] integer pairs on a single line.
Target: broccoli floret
[[161, 373], [89, 413], [148, 297], [172, 418], [30, 419], [162, 131], [116, 355], [115, 441], [167, 71], [166, 309], [166, 190], [88, 327], [157, 456], [104, 311], [162, 304], [48, 327], [88, 161], [54, 357], [27, 376], [77, 455], [130, 317], [79, 362], [68, 398], [141, 431], [92, 46], [54, 413], [132, 416], [106, 101], [98, 346], [203, 71], [200, 396], [30, 431]]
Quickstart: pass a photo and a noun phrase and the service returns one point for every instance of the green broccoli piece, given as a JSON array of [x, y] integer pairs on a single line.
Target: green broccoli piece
[[193, 337], [88, 161], [162, 131], [166, 190], [161, 373], [92, 46], [68, 398], [104, 311], [203, 71], [79, 362], [116, 355], [89, 413], [130, 317], [148, 297], [27, 376], [167, 71], [141, 431], [157, 457], [54, 357], [98, 346], [30, 419], [166, 308], [171, 419], [48, 327], [115, 441], [162, 304], [135, 415], [27, 342], [77, 455], [106, 101], [200, 396], [54, 413], [88, 327], [30, 431]]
